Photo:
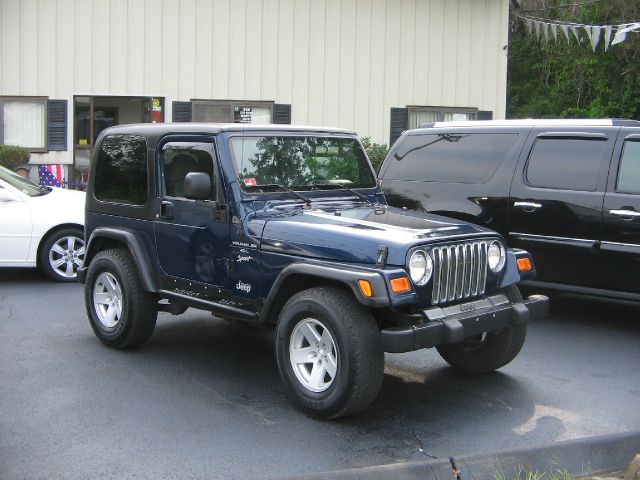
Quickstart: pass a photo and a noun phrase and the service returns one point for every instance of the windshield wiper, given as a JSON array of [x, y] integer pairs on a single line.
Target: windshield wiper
[[282, 187], [342, 186]]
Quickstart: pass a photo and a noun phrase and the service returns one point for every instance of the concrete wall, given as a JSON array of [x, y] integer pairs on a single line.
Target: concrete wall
[[337, 62]]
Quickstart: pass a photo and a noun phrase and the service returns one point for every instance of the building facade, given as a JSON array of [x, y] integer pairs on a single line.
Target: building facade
[[70, 68]]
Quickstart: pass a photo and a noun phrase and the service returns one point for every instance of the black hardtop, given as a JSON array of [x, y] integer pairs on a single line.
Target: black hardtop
[[154, 131]]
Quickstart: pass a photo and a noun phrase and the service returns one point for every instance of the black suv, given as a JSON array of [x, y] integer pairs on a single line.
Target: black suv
[[568, 191], [287, 226]]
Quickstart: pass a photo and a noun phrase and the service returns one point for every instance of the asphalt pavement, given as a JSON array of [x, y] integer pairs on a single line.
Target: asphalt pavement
[[203, 399]]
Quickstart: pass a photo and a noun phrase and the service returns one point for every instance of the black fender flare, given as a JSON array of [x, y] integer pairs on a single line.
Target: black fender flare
[[341, 274], [136, 248]]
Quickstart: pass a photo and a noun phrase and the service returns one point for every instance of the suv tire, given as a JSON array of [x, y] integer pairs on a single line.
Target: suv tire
[[121, 313], [489, 351], [342, 372], [62, 253]]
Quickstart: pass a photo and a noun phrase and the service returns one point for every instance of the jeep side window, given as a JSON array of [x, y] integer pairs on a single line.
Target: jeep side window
[[451, 158], [121, 170], [179, 158], [629, 171], [565, 163]]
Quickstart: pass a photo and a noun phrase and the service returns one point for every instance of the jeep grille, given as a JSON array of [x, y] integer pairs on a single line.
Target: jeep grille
[[459, 271]]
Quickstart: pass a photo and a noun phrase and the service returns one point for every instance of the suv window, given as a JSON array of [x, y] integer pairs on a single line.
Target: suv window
[[451, 158], [179, 158], [565, 164], [629, 172], [121, 170]]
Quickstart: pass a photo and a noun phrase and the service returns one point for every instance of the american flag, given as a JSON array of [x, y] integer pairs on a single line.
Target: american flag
[[51, 175]]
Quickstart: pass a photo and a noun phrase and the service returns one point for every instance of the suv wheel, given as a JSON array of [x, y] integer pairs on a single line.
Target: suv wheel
[[329, 353], [62, 253], [121, 313], [488, 351]]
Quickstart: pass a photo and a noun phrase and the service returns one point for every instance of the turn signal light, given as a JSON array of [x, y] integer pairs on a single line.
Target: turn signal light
[[400, 285], [365, 288], [524, 264]]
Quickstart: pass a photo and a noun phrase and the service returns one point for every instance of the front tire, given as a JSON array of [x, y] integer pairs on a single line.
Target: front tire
[[121, 313], [328, 352], [62, 253], [489, 351]]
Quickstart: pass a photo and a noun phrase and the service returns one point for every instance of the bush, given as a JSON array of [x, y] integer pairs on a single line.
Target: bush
[[12, 157], [375, 151]]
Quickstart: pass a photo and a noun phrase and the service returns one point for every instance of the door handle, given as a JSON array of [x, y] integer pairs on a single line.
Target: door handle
[[527, 206], [629, 214], [166, 209]]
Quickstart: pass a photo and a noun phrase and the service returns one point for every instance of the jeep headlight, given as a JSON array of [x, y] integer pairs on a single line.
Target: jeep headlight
[[420, 267], [496, 256]]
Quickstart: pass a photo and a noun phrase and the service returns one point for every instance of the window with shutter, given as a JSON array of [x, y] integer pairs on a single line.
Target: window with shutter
[[57, 125]]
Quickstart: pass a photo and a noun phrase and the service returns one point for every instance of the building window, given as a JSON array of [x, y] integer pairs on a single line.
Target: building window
[[421, 115], [223, 111], [24, 122]]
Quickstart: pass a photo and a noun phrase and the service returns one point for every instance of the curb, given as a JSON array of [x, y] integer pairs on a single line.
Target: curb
[[583, 456]]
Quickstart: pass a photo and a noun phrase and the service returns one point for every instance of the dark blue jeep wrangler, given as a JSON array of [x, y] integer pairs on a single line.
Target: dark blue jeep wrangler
[[287, 226]]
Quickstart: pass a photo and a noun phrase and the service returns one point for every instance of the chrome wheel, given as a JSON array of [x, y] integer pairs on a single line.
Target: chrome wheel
[[107, 299], [66, 256], [313, 355]]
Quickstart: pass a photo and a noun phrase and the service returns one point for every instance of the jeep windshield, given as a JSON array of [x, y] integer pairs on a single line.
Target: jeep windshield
[[300, 163]]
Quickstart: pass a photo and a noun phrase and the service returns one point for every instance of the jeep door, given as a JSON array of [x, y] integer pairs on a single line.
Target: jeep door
[[620, 247], [192, 236], [556, 202]]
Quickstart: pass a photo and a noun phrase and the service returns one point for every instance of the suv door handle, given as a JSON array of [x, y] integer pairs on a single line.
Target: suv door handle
[[527, 206], [166, 209], [629, 214]]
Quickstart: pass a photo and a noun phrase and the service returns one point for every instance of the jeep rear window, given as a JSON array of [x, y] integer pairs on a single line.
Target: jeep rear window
[[121, 170], [450, 158], [301, 163]]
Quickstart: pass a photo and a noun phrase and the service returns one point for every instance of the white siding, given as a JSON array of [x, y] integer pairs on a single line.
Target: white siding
[[340, 63]]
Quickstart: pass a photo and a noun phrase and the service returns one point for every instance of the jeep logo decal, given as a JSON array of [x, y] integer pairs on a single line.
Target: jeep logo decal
[[244, 287]]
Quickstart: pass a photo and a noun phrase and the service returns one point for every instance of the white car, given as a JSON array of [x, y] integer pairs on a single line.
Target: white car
[[41, 227]]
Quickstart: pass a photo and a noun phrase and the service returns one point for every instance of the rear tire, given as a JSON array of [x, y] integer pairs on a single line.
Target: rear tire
[[121, 313], [329, 353], [489, 351]]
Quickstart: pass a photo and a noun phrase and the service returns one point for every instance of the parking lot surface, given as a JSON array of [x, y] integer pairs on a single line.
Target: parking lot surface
[[203, 397]]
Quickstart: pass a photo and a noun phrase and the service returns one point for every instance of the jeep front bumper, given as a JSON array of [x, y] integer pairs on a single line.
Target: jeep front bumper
[[454, 323]]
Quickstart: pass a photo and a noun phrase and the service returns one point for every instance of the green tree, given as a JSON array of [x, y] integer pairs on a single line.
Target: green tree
[[560, 79], [375, 151]]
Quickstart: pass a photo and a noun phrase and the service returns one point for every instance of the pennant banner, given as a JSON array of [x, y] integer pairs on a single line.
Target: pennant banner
[[594, 33]]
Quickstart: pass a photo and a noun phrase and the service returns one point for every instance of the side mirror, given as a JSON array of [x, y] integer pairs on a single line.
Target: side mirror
[[6, 196], [197, 186]]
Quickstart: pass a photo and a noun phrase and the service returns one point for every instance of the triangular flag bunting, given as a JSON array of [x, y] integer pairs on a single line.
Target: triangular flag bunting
[[545, 31], [574, 29], [607, 37], [595, 37], [565, 30], [554, 31]]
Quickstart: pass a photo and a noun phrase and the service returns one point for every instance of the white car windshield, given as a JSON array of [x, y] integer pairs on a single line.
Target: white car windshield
[[26, 186]]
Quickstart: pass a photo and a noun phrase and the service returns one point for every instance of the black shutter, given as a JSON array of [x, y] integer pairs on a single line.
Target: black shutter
[[281, 113], [485, 115], [56, 125], [181, 111], [399, 123]]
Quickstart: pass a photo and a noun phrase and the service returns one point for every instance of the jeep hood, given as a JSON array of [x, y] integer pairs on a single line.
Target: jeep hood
[[354, 235]]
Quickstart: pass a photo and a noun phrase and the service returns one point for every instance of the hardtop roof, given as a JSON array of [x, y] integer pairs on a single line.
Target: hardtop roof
[[157, 129]]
